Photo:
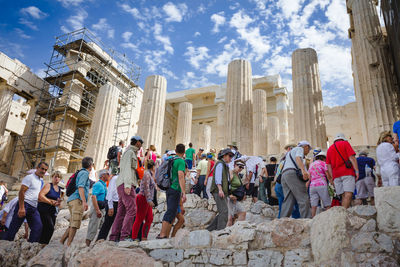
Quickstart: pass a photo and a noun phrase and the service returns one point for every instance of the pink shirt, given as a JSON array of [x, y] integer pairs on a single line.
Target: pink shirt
[[317, 173]]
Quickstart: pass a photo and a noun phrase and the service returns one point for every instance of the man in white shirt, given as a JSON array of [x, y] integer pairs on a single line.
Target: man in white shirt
[[111, 208], [27, 205]]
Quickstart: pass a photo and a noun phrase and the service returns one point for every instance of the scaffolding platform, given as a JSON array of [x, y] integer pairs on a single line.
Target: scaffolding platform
[[61, 79]]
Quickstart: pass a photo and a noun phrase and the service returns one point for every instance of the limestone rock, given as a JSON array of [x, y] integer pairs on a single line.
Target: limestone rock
[[363, 211], [51, 255], [297, 257], [191, 252], [156, 243], [328, 234], [370, 226], [28, 251], [387, 201], [231, 237], [9, 253], [239, 258], [356, 222], [371, 242], [198, 218], [167, 255], [261, 258], [200, 238], [220, 256], [181, 239]]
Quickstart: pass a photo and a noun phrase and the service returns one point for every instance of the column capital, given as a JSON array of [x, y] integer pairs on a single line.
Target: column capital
[[281, 91]]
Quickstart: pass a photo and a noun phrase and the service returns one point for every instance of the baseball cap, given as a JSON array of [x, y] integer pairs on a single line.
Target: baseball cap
[[322, 153], [304, 143], [137, 138], [171, 152]]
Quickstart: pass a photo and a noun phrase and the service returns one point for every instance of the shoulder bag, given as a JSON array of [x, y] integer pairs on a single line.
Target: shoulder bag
[[298, 171], [347, 163]]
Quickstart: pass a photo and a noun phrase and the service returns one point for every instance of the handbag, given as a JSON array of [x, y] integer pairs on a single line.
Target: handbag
[[347, 163], [298, 171], [240, 191]]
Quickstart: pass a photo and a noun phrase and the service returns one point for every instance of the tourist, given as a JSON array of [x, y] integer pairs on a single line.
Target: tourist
[[342, 166], [77, 201], [252, 183], [126, 184], [114, 163], [209, 175], [293, 184], [27, 205], [96, 215], [175, 192], [3, 193], [165, 156], [396, 134], [201, 176], [319, 177], [262, 189], [234, 148], [388, 160], [271, 171], [189, 156], [111, 209], [151, 154], [235, 208], [198, 156], [180, 219], [144, 202], [49, 199], [278, 185], [220, 189], [366, 180], [6, 216]]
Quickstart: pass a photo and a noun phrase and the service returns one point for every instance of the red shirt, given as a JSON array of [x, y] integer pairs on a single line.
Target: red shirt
[[333, 158]]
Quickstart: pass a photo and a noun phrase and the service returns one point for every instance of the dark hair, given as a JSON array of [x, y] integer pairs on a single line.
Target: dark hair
[[320, 157], [87, 162], [121, 142], [42, 163], [272, 159], [180, 148], [150, 164], [190, 144]]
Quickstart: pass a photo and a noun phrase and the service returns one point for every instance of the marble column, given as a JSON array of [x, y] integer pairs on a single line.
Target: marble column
[[273, 135], [282, 113], [239, 106], [205, 137], [377, 86], [260, 132], [309, 122], [72, 94], [103, 124], [6, 96], [221, 126], [184, 124], [151, 120]]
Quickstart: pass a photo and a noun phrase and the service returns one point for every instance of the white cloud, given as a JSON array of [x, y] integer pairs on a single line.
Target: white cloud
[[132, 10], [28, 23], [103, 26], [338, 18], [289, 7], [126, 36], [196, 55], [278, 65], [162, 39], [191, 80], [34, 12], [22, 34], [68, 3], [76, 21], [196, 34], [175, 13], [201, 9], [154, 59], [260, 44], [219, 64], [218, 20]]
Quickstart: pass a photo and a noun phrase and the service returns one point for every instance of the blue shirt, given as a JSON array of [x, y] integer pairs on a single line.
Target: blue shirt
[[100, 190], [361, 162], [82, 180], [396, 128]]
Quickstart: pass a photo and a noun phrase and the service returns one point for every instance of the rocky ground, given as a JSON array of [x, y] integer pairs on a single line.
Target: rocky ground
[[359, 236]]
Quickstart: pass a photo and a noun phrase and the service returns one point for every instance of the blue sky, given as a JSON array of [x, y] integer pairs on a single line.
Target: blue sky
[[192, 42]]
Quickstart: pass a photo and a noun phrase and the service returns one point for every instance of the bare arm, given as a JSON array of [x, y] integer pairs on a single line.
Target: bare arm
[[355, 165], [181, 176], [81, 191], [96, 206], [299, 162], [329, 176], [42, 195], [329, 169], [21, 200]]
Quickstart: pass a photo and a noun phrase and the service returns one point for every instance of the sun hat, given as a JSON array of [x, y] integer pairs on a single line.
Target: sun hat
[[304, 143], [171, 152], [339, 136]]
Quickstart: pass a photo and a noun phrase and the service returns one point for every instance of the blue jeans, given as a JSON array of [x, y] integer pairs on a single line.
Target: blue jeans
[[281, 197], [189, 163], [33, 218]]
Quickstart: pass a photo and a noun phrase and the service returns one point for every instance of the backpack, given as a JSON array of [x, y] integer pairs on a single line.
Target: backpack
[[140, 170], [112, 153], [71, 184], [163, 174]]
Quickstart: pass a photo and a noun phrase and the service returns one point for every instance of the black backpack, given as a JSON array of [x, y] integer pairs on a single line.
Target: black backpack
[[71, 184], [112, 153]]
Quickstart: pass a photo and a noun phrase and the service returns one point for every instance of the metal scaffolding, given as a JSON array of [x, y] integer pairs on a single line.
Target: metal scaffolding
[[68, 93]]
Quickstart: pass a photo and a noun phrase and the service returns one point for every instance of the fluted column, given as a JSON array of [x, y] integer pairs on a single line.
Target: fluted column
[[6, 95], [221, 126], [151, 120], [205, 137], [282, 112], [103, 124], [273, 135], [260, 123], [377, 86], [309, 122], [239, 106], [184, 124]]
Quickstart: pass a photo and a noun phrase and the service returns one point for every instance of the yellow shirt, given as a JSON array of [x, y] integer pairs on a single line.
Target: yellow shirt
[[202, 166]]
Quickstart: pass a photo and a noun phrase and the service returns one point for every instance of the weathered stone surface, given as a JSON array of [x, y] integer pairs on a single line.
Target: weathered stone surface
[[297, 257], [181, 239], [290, 233], [200, 238], [371, 259], [261, 258], [356, 222], [387, 201], [371, 242], [167, 255], [51, 255], [328, 234], [239, 258], [28, 251], [191, 252], [363, 211], [9, 253], [198, 218], [156, 243], [230, 237], [220, 256], [370, 226]]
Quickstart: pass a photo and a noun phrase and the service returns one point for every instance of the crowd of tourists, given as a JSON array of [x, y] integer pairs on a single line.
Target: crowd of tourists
[[121, 201]]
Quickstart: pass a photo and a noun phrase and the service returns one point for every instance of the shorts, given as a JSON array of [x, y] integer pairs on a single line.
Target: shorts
[[252, 191], [76, 212], [234, 208], [189, 163], [345, 184], [365, 187], [318, 193]]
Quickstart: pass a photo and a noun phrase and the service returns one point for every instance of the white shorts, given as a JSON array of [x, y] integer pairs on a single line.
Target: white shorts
[[234, 208], [318, 193], [365, 187], [345, 184]]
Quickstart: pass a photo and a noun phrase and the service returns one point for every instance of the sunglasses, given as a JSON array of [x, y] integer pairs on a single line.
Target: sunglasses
[[241, 167]]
